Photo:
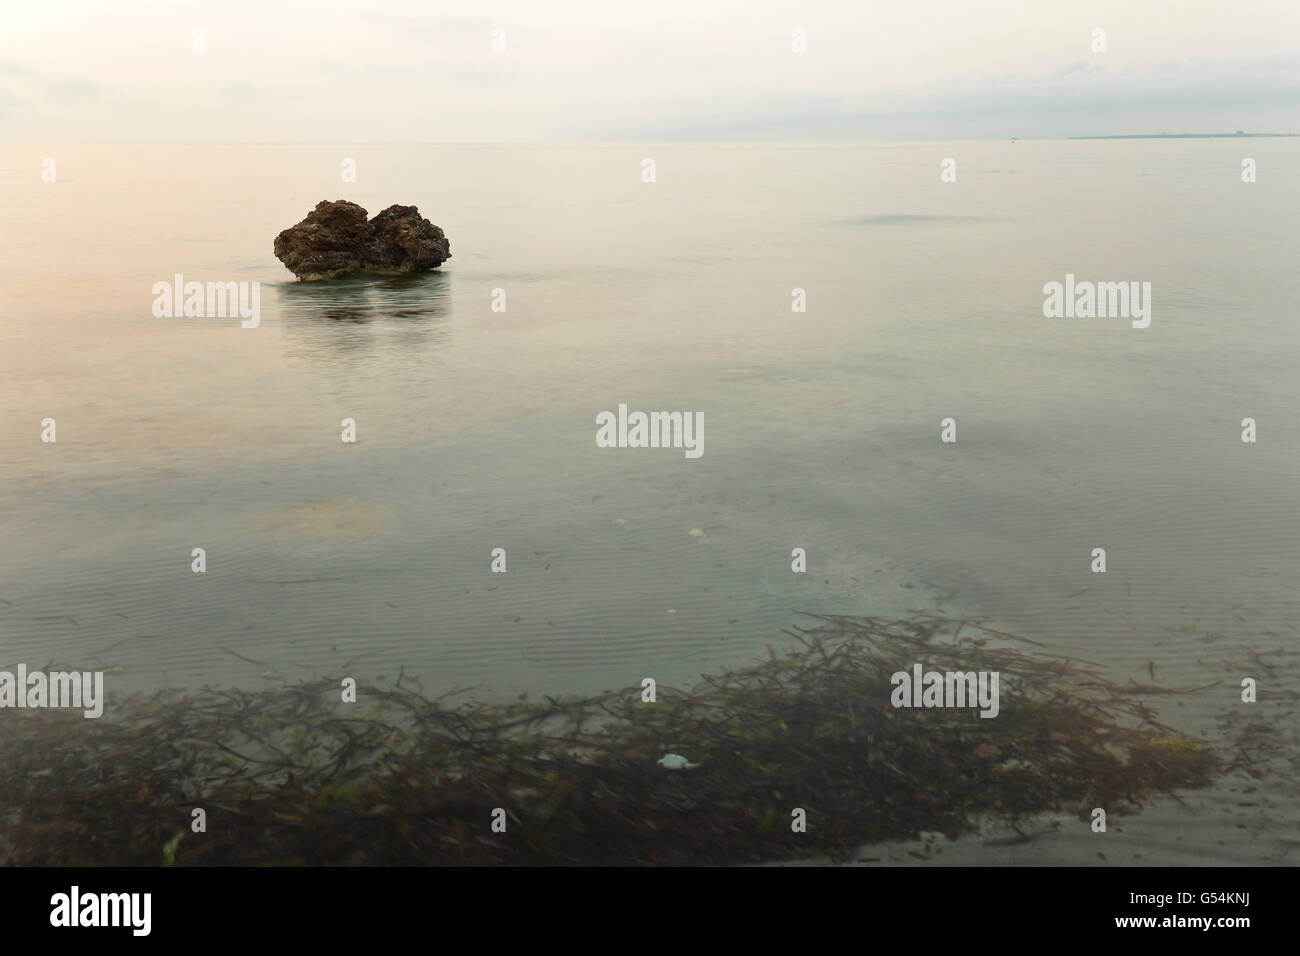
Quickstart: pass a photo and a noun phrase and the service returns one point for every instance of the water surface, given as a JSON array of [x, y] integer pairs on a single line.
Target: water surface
[[924, 301]]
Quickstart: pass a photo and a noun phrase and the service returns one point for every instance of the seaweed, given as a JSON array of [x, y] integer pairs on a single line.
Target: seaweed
[[294, 776]]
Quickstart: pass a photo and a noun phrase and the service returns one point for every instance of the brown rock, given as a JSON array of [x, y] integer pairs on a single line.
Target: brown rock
[[335, 240]]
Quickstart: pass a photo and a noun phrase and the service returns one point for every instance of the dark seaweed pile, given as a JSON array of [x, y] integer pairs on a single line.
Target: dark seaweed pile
[[296, 776]]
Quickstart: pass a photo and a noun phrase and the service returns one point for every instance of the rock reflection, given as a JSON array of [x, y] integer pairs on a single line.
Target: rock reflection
[[367, 298], [385, 313]]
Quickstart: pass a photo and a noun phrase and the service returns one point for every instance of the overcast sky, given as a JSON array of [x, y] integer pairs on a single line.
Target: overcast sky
[[579, 70]]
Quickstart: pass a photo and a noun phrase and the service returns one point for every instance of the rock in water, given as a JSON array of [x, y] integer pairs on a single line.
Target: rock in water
[[401, 240], [335, 241]]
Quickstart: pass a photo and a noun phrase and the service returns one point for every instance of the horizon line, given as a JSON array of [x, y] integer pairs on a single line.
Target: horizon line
[[618, 142]]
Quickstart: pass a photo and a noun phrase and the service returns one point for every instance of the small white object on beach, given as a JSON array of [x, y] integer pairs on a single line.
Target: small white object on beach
[[676, 762], [672, 610], [696, 533]]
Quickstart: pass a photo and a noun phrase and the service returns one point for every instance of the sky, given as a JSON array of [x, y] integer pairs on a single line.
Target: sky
[[616, 70]]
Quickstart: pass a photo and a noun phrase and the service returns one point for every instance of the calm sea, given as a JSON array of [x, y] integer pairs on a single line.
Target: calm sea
[[476, 428]]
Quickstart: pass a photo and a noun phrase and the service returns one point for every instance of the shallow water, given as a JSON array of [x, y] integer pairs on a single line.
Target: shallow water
[[476, 428]]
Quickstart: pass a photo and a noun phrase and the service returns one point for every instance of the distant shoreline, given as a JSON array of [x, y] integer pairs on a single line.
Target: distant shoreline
[[1236, 135]]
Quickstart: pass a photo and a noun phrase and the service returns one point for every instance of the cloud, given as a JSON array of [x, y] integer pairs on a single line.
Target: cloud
[[1079, 67], [1079, 98], [71, 87], [405, 23], [675, 69], [14, 68], [486, 76], [242, 92]]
